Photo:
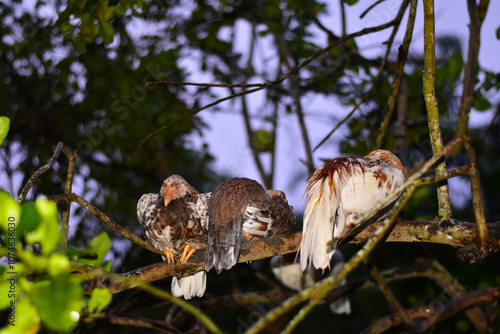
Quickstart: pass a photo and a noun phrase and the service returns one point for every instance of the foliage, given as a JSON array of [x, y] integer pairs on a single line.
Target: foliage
[[38, 288]]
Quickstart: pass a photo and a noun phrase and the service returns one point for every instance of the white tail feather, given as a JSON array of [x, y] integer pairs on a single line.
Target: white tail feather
[[318, 226], [190, 286]]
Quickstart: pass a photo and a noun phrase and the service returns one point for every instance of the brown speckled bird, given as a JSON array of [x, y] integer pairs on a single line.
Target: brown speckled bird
[[339, 193], [175, 222], [241, 210]]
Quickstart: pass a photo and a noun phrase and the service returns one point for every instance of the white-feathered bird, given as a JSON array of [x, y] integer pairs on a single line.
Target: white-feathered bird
[[288, 272], [175, 222], [340, 192]]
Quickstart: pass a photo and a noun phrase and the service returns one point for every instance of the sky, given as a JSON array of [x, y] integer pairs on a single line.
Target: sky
[[226, 133]]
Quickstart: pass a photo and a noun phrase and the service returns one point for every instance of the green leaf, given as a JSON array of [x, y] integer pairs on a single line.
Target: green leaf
[[4, 128], [95, 253], [30, 219], [481, 103], [99, 299], [59, 302], [498, 33], [88, 29], [58, 264], [263, 140], [106, 31], [350, 2], [10, 211], [47, 233], [27, 319]]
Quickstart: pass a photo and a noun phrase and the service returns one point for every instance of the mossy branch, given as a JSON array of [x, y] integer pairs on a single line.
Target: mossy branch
[[429, 82]]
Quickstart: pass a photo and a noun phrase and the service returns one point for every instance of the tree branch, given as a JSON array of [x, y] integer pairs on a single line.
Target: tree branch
[[429, 82], [39, 172], [402, 55], [264, 85], [108, 221], [476, 15], [67, 190], [397, 21]]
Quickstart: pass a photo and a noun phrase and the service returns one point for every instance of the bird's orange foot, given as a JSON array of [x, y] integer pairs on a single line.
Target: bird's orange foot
[[186, 253], [169, 255]]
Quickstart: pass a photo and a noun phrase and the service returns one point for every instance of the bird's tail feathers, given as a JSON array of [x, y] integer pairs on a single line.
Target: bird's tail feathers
[[321, 206], [223, 245], [190, 286]]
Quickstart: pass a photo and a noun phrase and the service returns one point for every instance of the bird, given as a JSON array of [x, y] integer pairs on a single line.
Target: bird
[[175, 222], [339, 193], [287, 271], [240, 210]]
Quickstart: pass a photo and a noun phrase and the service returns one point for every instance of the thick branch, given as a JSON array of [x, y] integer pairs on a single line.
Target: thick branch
[[452, 232]]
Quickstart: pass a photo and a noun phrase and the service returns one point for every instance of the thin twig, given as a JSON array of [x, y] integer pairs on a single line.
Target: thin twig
[[209, 324], [436, 313], [400, 126], [39, 172], [402, 55], [108, 221], [67, 190], [429, 83], [476, 15], [246, 118], [160, 326], [485, 296], [264, 85], [384, 288], [397, 21], [185, 83], [483, 236]]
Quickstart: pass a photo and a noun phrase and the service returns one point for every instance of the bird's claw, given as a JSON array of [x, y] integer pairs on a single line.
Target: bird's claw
[[186, 253], [169, 255]]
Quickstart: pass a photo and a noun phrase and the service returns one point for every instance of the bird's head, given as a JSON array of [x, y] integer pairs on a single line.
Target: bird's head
[[386, 157], [175, 187]]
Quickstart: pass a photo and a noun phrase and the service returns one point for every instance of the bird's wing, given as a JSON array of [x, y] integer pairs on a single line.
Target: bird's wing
[[227, 206]]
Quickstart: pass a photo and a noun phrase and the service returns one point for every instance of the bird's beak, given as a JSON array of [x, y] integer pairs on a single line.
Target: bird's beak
[[167, 195]]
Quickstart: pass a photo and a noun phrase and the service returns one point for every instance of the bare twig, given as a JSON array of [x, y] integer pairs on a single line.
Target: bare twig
[[476, 14], [485, 296], [429, 81], [248, 126], [39, 172], [400, 126], [384, 288], [486, 243], [185, 83], [209, 324], [160, 326], [264, 85], [67, 190], [403, 53], [108, 221], [397, 21]]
